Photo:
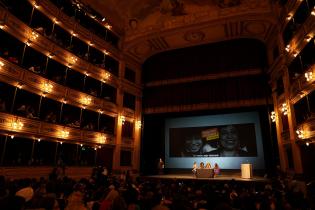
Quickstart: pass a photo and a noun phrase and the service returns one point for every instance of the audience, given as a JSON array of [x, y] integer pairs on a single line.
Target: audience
[[101, 192]]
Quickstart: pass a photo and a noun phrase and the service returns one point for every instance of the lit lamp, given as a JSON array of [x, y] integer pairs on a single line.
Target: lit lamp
[[72, 60], [273, 116], [287, 48], [86, 100], [289, 16], [309, 76], [2, 25], [1, 64], [308, 38], [102, 139], [284, 109], [138, 124], [17, 125], [64, 134], [47, 87], [300, 133], [106, 76], [109, 27], [122, 119], [33, 36], [313, 11]]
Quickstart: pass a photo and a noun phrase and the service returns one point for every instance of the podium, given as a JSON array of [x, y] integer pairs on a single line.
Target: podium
[[247, 171], [204, 173]]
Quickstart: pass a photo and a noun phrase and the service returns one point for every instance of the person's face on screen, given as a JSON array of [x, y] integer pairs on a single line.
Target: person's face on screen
[[193, 145], [229, 138]]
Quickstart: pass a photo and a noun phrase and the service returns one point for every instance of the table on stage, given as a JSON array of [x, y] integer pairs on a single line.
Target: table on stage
[[205, 173]]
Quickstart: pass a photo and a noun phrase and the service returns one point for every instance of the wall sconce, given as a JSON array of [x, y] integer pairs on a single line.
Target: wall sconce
[[74, 34], [55, 21], [138, 124], [19, 85], [273, 116], [308, 38], [109, 27], [86, 100], [72, 60], [300, 133], [17, 125], [284, 109], [102, 139], [289, 16], [287, 48], [2, 25], [313, 11], [122, 119], [28, 42], [308, 76], [50, 55], [1, 64], [106, 76], [47, 88], [33, 36], [64, 134]]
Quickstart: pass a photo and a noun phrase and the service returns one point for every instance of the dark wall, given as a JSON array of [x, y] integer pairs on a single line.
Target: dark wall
[[210, 58]]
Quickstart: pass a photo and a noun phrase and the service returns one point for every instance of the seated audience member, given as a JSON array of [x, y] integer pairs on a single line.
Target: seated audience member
[[35, 69], [208, 165], [89, 126], [2, 105], [30, 113], [22, 110], [5, 54], [51, 117], [216, 169]]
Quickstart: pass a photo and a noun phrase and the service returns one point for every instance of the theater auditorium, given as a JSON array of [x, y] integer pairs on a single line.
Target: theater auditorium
[[157, 105]]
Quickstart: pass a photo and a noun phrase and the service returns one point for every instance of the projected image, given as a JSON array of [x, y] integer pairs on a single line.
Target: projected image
[[234, 140]]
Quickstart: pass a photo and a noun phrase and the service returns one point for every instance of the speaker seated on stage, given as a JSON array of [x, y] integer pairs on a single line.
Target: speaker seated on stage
[[216, 169], [194, 169], [208, 165], [201, 165]]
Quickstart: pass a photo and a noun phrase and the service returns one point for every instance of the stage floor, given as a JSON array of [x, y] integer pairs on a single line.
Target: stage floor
[[226, 176]]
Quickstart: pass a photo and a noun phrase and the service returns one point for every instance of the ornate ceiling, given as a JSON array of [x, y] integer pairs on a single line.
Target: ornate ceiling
[[153, 26]]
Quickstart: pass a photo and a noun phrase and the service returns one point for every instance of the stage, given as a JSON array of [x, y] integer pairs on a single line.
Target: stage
[[224, 176]]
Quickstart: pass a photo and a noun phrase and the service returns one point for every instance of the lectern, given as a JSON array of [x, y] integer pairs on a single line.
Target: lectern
[[247, 171]]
